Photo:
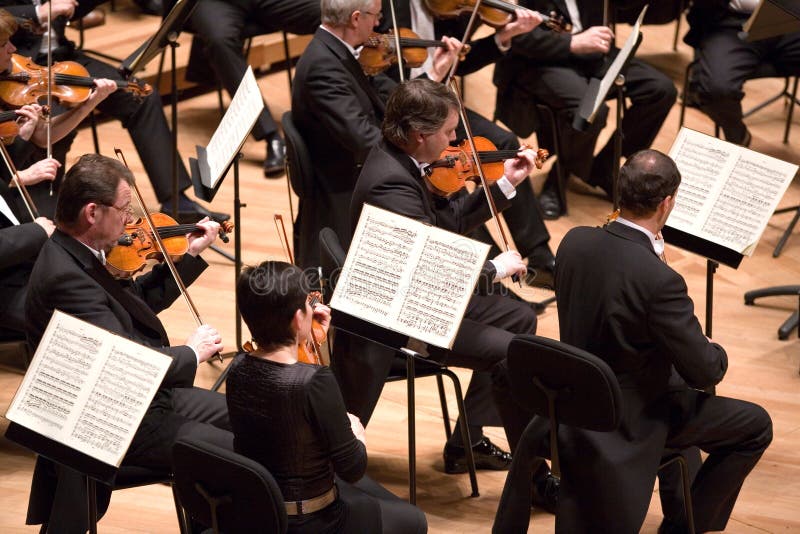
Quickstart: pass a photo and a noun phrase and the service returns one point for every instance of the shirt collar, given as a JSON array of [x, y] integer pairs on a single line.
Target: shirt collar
[[346, 44], [99, 254], [655, 240]]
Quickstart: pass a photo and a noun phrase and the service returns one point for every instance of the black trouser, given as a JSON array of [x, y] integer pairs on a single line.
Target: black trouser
[[725, 62], [223, 26]]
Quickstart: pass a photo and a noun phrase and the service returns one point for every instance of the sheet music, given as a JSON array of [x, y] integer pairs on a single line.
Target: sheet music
[[88, 388], [234, 128], [616, 66], [727, 193], [408, 276]]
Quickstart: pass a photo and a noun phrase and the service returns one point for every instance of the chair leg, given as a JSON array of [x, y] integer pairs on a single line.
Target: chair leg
[[462, 417], [183, 520], [792, 102], [443, 401], [687, 487], [561, 186]]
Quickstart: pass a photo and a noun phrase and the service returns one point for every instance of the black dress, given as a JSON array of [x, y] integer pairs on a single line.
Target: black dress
[[291, 418]]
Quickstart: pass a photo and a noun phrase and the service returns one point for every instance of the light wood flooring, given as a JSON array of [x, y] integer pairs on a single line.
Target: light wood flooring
[[762, 369]]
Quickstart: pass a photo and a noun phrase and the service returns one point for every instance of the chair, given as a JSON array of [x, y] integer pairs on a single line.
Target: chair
[[226, 490], [570, 386], [405, 366], [791, 323]]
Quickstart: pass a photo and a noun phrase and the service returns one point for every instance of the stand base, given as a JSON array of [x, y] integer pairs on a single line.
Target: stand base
[[792, 322]]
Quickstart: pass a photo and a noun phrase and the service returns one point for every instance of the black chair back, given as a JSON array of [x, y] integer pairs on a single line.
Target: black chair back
[[298, 159], [331, 256], [587, 390], [226, 490]]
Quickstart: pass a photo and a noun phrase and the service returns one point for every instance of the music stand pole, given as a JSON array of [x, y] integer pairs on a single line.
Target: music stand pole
[[619, 84], [711, 268], [237, 255]]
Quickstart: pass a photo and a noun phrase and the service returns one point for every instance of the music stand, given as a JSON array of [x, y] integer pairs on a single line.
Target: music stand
[[598, 91], [166, 35]]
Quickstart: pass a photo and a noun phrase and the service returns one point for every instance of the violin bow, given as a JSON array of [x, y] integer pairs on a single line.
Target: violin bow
[[26, 198], [397, 48], [281, 229], [160, 244], [468, 129], [48, 120]]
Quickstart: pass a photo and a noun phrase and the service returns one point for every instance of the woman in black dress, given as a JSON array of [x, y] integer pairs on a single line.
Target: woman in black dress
[[290, 416]]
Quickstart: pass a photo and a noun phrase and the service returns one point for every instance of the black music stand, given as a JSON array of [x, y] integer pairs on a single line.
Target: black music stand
[[166, 35], [598, 92]]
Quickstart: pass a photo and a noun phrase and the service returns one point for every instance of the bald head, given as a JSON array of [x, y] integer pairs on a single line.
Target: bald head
[[646, 179]]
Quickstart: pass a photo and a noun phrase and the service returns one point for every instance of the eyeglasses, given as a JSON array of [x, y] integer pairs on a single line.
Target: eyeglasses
[[378, 16], [126, 211]]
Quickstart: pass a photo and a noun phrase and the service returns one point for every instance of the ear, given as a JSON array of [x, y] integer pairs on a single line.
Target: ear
[[90, 211], [355, 16], [297, 320]]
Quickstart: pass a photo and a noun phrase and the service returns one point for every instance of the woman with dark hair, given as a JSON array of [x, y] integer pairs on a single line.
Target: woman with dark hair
[[290, 416]]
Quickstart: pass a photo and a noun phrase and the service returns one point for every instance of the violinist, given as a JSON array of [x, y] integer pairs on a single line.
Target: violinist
[[421, 118], [28, 131], [555, 68], [290, 417], [524, 220], [338, 111], [93, 206], [142, 117]]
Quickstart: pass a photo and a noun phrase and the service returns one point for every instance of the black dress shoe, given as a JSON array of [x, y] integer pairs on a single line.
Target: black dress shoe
[[487, 455], [545, 493], [276, 157], [190, 212], [669, 527], [550, 204]]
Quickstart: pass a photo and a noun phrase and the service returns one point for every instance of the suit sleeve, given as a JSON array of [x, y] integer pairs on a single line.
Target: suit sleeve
[[20, 243], [470, 210], [159, 290], [674, 325], [338, 110]]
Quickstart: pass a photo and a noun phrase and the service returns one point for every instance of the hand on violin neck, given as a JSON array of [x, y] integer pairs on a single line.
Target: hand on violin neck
[[206, 233], [102, 88], [206, 342], [28, 120], [508, 264], [60, 8], [516, 170], [525, 21], [443, 58], [42, 171], [322, 314]]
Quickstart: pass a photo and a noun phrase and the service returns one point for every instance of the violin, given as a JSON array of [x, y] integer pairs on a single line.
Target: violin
[[495, 13], [311, 350], [451, 172], [137, 244], [28, 82], [379, 52]]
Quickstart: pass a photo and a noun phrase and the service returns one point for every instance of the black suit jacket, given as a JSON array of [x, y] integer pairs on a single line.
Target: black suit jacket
[[68, 277], [390, 180], [619, 301]]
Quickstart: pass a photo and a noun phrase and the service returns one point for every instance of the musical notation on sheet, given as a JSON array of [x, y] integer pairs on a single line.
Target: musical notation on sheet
[[88, 388], [727, 192], [408, 276]]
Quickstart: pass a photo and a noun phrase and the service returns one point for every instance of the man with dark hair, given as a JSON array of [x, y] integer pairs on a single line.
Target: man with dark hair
[[70, 275], [618, 300], [421, 118]]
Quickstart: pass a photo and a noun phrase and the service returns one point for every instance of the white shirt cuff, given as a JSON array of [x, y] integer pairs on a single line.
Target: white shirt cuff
[[500, 271], [506, 187]]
